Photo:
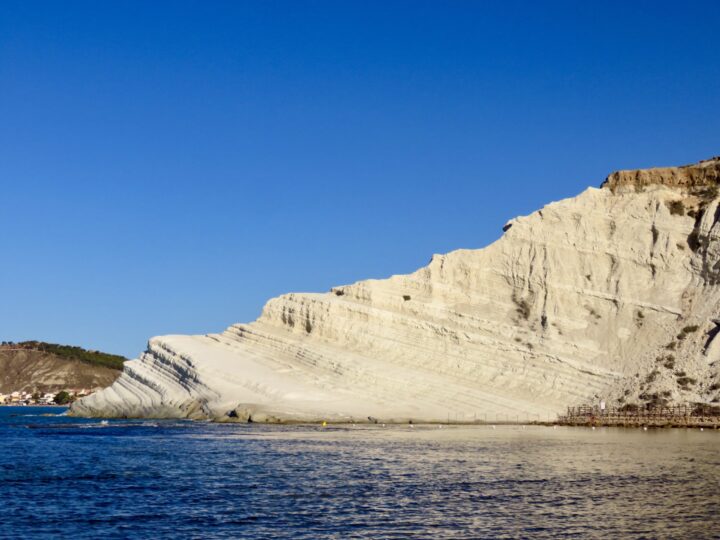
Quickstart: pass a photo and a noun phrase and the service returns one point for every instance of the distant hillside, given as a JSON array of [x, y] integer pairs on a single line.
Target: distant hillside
[[48, 367]]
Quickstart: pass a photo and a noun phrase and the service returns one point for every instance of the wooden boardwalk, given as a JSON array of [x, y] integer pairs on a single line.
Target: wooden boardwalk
[[628, 416]]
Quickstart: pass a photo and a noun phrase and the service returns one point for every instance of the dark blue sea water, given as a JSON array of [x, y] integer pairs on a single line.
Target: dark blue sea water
[[63, 477]]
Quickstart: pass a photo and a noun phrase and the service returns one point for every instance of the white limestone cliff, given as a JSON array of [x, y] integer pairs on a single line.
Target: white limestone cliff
[[609, 295]]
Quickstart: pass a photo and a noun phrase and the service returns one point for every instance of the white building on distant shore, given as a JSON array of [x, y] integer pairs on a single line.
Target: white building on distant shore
[[19, 397], [47, 399]]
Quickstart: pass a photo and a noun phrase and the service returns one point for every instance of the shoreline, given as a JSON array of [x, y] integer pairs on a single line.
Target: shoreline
[[33, 405], [330, 424], [696, 423]]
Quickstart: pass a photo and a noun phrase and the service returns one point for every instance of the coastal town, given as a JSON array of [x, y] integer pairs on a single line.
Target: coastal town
[[62, 397]]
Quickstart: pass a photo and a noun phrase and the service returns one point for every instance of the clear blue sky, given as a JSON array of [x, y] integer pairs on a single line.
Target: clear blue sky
[[166, 167]]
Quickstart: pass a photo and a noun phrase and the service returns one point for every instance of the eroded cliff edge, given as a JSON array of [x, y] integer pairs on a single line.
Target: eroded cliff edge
[[611, 295]]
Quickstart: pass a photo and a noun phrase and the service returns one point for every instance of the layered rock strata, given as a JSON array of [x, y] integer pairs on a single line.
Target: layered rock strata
[[611, 295]]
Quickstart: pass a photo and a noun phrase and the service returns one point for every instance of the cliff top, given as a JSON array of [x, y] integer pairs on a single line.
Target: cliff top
[[693, 177]]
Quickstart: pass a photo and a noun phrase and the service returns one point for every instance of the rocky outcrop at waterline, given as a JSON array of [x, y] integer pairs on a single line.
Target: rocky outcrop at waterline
[[610, 295]]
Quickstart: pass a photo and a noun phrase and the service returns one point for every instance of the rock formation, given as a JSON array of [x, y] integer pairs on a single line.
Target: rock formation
[[610, 295]]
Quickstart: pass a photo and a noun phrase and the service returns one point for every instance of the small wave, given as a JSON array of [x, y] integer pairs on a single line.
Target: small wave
[[102, 424]]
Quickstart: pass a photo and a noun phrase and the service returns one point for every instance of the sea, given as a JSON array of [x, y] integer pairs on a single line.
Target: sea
[[64, 477]]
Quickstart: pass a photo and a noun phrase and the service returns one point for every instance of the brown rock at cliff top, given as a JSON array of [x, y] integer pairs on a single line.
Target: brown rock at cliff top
[[691, 177]]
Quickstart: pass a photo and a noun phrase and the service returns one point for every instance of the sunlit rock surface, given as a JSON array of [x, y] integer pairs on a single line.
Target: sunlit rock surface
[[589, 298]]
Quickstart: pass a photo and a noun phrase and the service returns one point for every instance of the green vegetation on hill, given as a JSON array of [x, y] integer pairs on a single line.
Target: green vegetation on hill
[[112, 361]]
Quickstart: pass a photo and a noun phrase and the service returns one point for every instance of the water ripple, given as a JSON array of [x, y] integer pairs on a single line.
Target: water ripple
[[137, 479]]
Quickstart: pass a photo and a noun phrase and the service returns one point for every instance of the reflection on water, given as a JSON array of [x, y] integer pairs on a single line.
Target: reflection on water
[[139, 479]]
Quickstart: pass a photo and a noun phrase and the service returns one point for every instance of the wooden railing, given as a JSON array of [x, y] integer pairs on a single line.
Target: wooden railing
[[699, 415]]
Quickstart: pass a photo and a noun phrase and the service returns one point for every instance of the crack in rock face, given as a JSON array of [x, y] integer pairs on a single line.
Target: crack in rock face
[[583, 300]]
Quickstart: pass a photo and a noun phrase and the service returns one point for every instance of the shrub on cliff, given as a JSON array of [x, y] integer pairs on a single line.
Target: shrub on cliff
[[630, 407], [62, 398], [677, 208]]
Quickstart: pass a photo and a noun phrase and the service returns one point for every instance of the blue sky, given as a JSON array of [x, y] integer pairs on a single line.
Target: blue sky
[[166, 167]]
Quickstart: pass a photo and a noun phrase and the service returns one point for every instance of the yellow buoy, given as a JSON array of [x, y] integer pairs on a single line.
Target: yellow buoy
[[324, 423]]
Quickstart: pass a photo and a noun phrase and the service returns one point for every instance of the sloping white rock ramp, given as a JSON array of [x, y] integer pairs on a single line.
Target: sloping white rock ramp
[[568, 306]]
